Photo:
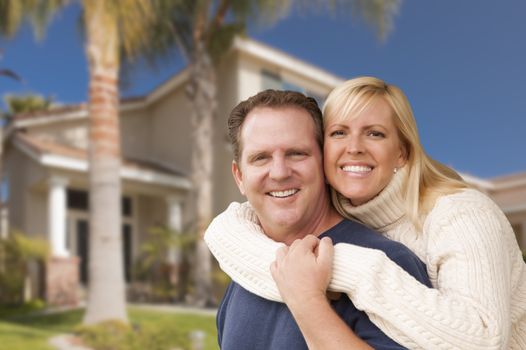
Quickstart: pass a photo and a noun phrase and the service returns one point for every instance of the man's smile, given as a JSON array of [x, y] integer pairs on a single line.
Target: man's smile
[[283, 193]]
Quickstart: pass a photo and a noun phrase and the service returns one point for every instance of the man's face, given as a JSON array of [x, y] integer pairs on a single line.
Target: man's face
[[280, 171]]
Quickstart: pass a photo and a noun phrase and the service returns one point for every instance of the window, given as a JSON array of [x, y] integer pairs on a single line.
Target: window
[[79, 200], [127, 206], [270, 80], [274, 81]]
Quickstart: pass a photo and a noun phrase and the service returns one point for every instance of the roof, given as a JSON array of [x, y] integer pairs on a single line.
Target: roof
[[55, 155], [510, 178], [244, 45]]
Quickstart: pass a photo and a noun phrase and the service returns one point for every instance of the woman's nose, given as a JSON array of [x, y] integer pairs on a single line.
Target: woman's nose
[[355, 145]]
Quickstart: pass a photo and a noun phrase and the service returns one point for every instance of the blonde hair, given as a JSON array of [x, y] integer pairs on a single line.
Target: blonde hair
[[426, 178]]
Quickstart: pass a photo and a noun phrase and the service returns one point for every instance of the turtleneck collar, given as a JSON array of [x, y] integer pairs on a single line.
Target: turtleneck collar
[[384, 209]]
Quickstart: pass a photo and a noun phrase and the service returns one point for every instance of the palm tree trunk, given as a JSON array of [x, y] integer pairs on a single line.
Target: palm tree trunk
[[106, 296], [202, 93]]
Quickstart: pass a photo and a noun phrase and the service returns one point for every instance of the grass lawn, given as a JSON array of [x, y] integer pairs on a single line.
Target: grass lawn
[[33, 332]]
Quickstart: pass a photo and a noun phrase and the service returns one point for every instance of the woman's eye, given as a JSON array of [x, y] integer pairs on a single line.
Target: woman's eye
[[376, 133], [336, 133]]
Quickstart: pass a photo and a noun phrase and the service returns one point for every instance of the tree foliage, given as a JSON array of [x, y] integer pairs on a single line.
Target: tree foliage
[[16, 253], [27, 103]]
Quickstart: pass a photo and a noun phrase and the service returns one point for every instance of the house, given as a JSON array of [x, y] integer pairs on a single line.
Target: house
[[47, 170]]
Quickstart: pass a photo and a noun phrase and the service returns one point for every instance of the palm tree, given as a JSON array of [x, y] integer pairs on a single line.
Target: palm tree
[[110, 27], [27, 103], [4, 72], [202, 31]]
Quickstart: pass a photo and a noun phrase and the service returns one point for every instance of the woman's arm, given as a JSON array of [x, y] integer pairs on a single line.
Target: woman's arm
[[469, 310], [243, 251]]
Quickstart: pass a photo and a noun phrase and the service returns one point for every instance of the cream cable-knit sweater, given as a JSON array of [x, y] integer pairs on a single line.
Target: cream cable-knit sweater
[[467, 244]]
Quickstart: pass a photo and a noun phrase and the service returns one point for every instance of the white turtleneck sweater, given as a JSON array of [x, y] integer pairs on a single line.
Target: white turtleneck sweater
[[472, 258]]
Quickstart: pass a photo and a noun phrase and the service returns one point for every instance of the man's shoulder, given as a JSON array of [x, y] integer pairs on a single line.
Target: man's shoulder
[[247, 321]]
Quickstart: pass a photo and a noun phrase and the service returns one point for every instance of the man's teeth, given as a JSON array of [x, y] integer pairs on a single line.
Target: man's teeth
[[282, 194], [357, 168]]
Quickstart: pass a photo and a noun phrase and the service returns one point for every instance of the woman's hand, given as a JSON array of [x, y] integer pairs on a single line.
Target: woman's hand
[[303, 271]]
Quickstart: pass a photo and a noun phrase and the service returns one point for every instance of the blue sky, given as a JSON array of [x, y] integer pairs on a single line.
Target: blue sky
[[461, 63]]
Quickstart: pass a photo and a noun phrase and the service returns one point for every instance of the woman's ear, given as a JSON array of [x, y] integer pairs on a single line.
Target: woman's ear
[[403, 156]]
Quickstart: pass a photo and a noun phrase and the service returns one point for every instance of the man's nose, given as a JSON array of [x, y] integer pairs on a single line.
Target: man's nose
[[279, 169]]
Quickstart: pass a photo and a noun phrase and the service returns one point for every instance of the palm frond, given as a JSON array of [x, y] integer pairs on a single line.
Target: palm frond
[[38, 12], [10, 74]]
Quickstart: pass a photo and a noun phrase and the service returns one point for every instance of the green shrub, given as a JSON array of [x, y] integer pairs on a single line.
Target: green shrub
[[155, 279], [117, 335], [16, 253], [12, 310]]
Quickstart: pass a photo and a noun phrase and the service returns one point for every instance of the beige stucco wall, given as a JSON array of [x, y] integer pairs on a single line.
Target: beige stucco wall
[[136, 133], [36, 216], [512, 201], [518, 221], [225, 190], [510, 197], [25, 212], [72, 132], [172, 130]]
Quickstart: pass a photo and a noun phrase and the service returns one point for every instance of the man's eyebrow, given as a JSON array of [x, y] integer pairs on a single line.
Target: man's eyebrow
[[255, 154], [299, 150]]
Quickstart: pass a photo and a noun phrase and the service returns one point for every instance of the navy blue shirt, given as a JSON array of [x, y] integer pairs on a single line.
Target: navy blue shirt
[[247, 321]]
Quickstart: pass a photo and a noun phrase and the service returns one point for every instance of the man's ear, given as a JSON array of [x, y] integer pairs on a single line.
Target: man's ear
[[238, 176]]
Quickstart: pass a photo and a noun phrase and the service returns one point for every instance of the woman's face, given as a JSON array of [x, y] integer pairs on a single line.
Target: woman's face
[[361, 152]]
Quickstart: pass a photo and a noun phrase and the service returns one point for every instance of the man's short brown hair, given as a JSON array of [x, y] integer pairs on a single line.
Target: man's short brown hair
[[273, 99]]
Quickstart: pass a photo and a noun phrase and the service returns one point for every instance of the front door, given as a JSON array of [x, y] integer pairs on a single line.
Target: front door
[[79, 246], [83, 248]]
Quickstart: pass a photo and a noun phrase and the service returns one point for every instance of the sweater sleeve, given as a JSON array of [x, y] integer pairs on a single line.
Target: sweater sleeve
[[243, 251], [470, 309]]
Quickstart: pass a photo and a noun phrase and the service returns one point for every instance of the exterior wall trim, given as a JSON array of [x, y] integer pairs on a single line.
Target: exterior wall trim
[[286, 61], [141, 175]]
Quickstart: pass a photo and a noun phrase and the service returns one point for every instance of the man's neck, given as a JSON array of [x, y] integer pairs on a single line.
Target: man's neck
[[326, 219]]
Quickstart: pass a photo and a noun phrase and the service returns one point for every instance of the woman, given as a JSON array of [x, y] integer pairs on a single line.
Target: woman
[[381, 176]]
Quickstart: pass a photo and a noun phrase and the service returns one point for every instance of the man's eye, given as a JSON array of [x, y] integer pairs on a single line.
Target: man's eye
[[257, 158], [298, 154]]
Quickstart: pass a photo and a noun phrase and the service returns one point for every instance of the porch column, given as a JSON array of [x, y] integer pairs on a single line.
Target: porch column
[[62, 270], [57, 216], [175, 222]]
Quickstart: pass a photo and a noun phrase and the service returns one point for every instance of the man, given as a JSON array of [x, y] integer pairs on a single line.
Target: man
[[277, 139]]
